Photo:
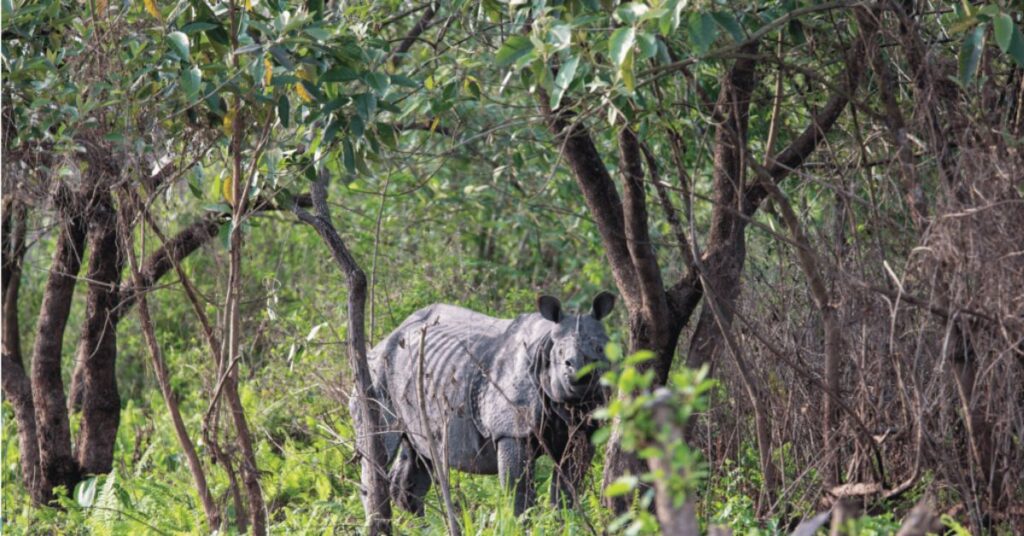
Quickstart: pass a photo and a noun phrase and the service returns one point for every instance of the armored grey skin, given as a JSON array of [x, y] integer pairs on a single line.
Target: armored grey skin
[[497, 394]]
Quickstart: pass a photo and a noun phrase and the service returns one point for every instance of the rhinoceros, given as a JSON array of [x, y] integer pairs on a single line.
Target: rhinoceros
[[489, 396]]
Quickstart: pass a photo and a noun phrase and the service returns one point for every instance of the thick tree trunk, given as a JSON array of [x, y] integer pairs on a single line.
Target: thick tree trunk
[[726, 250], [97, 348], [57, 464], [16, 385], [180, 246], [656, 314], [619, 462]]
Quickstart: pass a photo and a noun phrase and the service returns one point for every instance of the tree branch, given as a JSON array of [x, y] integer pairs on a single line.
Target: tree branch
[[599, 193], [421, 25], [638, 239], [798, 150], [162, 260]]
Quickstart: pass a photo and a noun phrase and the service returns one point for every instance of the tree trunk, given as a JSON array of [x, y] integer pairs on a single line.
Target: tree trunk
[[97, 348], [230, 359], [16, 385], [57, 464]]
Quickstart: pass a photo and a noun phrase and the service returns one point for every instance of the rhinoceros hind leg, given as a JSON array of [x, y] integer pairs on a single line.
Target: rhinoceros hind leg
[[410, 480]]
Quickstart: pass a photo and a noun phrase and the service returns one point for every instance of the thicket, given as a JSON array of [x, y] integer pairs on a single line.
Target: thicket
[[212, 209]]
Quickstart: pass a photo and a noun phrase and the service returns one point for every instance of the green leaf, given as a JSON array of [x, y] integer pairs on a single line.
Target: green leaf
[[629, 12], [366, 105], [179, 42], [1009, 38], [563, 79], [199, 26], [378, 82], [970, 53], [85, 492], [404, 81], [1004, 31], [348, 157], [621, 43], [621, 486], [282, 57], [729, 23], [332, 131], [388, 135], [1016, 50], [639, 357], [560, 36], [283, 110], [626, 70], [357, 126], [613, 351], [648, 453], [516, 47], [648, 45], [190, 81], [670, 21], [472, 87], [702, 31], [340, 73]]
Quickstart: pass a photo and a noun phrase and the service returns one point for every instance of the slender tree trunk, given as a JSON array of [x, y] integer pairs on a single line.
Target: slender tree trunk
[[229, 366], [163, 380], [57, 464], [370, 443], [97, 348], [16, 385]]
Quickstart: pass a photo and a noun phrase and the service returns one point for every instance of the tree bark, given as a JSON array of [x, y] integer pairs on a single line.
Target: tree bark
[[97, 348], [183, 244], [57, 464], [370, 441], [16, 385]]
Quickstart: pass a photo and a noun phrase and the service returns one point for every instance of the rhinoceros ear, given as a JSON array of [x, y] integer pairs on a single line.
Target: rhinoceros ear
[[603, 304], [550, 308]]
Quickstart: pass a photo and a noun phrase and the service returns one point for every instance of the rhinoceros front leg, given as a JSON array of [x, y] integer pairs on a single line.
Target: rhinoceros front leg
[[515, 469], [571, 470]]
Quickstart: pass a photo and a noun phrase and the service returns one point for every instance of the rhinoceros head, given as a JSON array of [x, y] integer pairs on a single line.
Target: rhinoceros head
[[576, 341]]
